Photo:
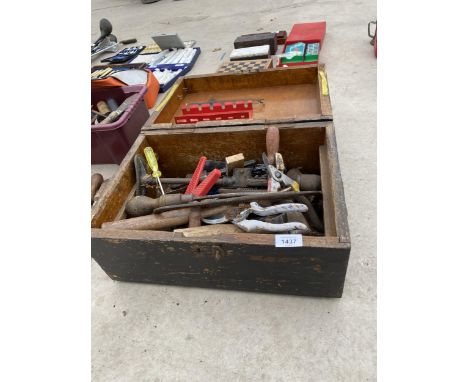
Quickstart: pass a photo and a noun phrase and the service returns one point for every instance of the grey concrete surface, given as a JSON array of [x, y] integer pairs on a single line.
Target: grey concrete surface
[[162, 333]]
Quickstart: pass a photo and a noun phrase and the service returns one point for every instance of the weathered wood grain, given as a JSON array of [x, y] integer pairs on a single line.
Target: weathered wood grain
[[327, 194], [288, 94], [229, 260], [325, 102], [227, 265]]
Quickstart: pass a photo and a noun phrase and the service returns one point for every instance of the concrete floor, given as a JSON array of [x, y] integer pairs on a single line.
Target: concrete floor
[[157, 333]]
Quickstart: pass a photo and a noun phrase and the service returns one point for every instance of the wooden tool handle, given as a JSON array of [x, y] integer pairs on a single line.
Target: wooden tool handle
[[113, 116], [103, 107], [272, 143], [161, 221], [195, 218], [208, 230], [143, 205], [96, 182]]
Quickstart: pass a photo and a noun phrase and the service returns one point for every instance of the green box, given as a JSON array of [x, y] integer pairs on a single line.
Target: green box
[[312, 52], [297, 47]]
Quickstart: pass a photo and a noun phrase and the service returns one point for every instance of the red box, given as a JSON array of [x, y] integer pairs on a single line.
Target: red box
[[307, 33]]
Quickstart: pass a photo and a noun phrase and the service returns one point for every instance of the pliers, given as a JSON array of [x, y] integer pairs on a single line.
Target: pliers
[[241, 221], [279, 176]]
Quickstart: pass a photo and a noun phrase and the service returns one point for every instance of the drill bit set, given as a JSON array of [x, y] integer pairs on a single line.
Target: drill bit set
[[225, 196], [169, 64], [217, 110], [165, 76], [168, 57]]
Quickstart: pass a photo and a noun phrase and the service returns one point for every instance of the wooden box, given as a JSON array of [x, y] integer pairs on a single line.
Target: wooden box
[[256, 39], [240, 261], [288, 95]]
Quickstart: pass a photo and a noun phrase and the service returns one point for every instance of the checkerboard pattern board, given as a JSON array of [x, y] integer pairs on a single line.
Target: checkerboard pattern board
[[245, 66]]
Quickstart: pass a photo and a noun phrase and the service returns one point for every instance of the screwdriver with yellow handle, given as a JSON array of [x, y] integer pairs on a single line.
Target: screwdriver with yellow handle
[[153, 164]]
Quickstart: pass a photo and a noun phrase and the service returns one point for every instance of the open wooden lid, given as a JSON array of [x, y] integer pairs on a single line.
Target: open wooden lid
[[280, 95]]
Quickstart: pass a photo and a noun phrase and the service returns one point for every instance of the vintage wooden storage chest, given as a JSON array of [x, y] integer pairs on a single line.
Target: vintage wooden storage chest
[[287, 94], [240, 261]]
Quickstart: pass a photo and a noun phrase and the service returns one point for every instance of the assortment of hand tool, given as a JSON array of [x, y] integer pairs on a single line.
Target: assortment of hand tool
[[177, 56], [99, 73], [237, 193], [151, 49], [125, 55], [109, 111], [165, 58]]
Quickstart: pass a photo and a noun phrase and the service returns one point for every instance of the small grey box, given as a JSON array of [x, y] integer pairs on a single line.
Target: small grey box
[[168, 41]]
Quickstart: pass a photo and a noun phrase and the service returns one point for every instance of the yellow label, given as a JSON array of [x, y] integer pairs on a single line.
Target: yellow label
[[324, 83]]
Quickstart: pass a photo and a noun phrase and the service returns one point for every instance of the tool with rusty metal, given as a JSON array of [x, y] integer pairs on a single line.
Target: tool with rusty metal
[[222, 166], [140, 172], [96, 182], [307, 182], [311, 215], [144, 205], [242, 178], [95, 115], [298, 217], [161, 221], [236, 200], [153, 164], [240, 220], [114, 115], [279, 176]]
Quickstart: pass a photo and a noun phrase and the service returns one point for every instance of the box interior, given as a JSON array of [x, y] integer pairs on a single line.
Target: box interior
[[180, 151], [285, 94], [297, 151]]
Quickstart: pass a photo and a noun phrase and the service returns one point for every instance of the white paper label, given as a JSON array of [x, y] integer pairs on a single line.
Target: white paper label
[[288, 240]]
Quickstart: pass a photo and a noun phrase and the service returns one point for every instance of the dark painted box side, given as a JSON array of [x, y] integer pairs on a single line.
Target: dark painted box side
[[318, 271]]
